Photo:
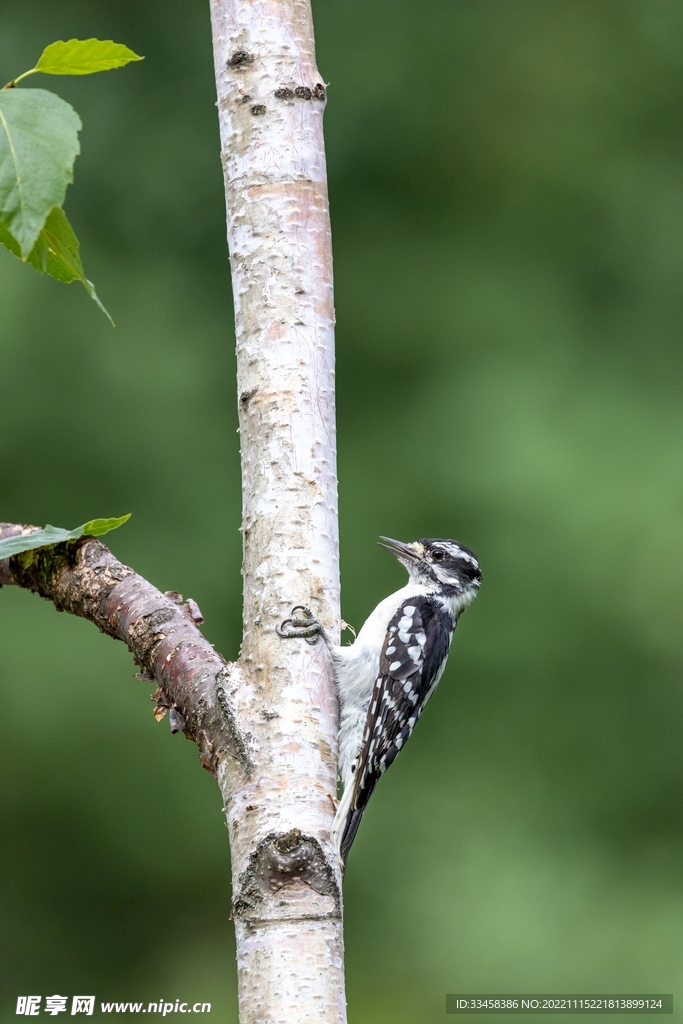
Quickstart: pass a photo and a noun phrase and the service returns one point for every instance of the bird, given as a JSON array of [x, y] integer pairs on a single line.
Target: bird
[[386, 676]]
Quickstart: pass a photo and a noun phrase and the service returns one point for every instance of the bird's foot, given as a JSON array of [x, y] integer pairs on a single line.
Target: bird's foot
[[304, 626]]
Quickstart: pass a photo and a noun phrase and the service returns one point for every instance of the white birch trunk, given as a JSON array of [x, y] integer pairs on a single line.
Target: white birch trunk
[[286, 883]]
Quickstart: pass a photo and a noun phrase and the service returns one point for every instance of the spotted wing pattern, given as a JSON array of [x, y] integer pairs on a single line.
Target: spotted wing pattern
[[411, 663]]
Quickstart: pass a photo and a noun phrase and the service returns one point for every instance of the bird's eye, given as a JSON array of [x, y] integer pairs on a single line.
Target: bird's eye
[[437, 556]]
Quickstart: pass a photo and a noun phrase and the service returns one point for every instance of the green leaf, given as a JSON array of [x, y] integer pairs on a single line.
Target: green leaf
[[38, 146], [55, 535], [56, 253], [84, 57], [9, 241], [98, 527]]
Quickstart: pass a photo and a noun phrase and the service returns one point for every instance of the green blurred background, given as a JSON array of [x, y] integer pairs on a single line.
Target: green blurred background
[[506, 180]]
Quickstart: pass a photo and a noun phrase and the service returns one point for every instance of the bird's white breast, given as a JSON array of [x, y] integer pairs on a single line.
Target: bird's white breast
[[356, 668]]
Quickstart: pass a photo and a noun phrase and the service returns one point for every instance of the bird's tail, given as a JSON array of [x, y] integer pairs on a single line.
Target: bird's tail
[[347, 820], [340, 829], [349, 834], [339, 826]]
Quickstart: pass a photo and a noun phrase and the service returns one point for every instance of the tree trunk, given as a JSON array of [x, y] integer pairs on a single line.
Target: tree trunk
[[286, 883]]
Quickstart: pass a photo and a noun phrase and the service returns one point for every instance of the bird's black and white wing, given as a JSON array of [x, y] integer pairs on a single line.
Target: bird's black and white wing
[[411, 663]]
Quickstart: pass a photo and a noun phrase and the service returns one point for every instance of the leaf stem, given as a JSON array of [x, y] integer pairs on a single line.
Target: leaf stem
[[15, 81]]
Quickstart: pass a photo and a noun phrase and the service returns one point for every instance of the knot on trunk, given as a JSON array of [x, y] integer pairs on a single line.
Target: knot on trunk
[[279, 860]]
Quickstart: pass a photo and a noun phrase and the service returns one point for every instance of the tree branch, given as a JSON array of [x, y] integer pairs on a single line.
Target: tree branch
[[84, 578]]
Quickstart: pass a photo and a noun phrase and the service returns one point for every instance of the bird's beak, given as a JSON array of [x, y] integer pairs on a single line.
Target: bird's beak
[[412, 552]]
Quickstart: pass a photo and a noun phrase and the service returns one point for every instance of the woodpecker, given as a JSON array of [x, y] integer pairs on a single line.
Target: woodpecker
[[386, 676]]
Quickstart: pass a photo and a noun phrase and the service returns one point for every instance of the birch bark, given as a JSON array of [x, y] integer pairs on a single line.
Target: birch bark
[[286, 884]]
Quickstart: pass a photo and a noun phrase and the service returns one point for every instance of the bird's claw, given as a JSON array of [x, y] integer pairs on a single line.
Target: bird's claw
[[304, 627]]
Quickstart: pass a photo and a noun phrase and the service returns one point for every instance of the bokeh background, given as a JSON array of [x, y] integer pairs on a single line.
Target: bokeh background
[[506, 181]]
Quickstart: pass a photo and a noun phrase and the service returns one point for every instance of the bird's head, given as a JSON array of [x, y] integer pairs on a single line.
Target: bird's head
[[442, 566]]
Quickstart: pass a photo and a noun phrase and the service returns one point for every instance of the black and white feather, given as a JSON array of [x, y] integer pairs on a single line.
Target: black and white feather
[[386, 677]]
